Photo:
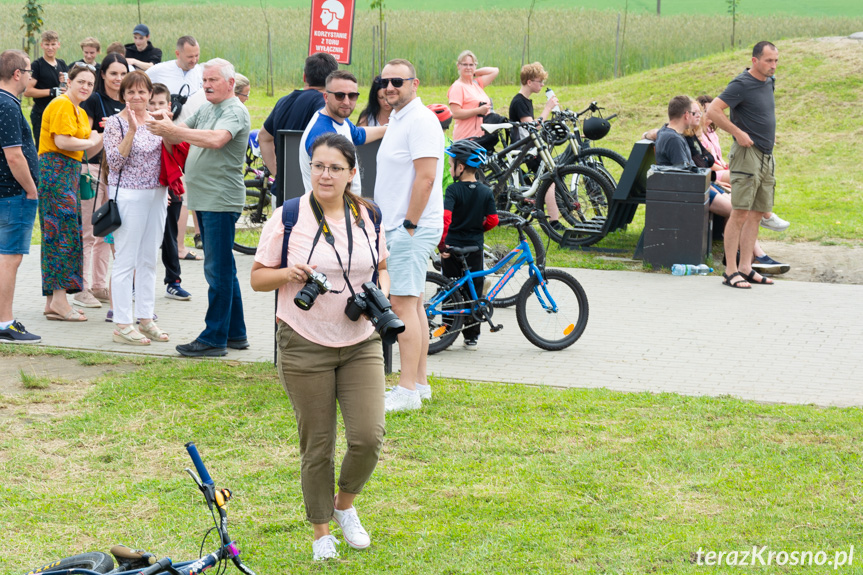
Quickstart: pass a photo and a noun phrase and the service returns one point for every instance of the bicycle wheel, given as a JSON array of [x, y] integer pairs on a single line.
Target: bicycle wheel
[[498, 243], [605, 161], [94, 561], [583, 201], [443, 330], [257, 210], [552, 316]]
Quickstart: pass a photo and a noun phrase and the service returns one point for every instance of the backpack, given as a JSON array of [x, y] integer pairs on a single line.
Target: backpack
[[291, 212]]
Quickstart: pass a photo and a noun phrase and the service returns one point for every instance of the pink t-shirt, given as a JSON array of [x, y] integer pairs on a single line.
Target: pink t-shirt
[[468, 96], [710, 141], [325, 323]]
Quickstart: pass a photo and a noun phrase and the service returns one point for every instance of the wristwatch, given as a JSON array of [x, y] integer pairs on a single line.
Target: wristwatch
[[409, 225]]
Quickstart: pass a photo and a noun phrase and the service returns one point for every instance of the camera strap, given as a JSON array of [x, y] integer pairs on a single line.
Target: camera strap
[[324, 228]]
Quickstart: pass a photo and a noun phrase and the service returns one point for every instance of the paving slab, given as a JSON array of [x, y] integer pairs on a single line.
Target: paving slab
[[794, 342]]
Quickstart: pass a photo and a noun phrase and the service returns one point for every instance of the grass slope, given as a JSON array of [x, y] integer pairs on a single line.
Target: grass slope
[[830, 8], [487, 479]]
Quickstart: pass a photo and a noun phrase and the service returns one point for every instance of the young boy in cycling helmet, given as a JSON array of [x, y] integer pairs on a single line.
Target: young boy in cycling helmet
[[469, 211]]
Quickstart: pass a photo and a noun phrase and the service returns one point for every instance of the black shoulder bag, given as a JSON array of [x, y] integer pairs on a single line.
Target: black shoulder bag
[[178, 100], [107, 218]]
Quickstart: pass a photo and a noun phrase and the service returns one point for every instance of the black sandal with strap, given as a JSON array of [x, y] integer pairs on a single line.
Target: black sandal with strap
[[736, 284], [764, 281]]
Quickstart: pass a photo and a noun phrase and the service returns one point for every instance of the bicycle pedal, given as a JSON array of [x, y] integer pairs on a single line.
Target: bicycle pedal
[[496, 328]]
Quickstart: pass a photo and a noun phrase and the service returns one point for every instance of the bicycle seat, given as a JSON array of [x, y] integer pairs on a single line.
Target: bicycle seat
[[492, 128], [462, 251]]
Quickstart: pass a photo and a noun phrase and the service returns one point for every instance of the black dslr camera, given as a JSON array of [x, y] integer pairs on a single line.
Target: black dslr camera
[[372, 303], [315, 286]]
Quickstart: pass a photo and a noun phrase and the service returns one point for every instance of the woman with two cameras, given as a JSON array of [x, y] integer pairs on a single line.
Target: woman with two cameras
[[324, 356]]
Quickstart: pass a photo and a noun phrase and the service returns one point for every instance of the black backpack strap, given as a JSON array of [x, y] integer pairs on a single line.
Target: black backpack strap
[[377, 217], [290, 213]]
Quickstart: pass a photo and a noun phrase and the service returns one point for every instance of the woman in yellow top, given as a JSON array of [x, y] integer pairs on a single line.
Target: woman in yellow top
[[65, 135]]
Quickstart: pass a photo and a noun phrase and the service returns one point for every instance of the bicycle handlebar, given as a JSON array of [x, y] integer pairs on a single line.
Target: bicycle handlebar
[[199, 465], [159, 566]]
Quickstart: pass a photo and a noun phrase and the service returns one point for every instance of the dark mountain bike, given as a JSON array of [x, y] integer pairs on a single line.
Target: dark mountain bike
[[260, 202]]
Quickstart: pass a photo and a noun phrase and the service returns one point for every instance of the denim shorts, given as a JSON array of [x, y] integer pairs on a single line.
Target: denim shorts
[[409, 259], [17, 215]]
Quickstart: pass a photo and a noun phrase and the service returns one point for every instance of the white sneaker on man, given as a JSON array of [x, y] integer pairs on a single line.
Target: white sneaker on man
[[424, 391], [325, 548], [775, 223], [352, 529], [402, 399]]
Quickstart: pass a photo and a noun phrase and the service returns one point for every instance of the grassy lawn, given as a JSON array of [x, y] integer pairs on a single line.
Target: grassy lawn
[[489, 478]]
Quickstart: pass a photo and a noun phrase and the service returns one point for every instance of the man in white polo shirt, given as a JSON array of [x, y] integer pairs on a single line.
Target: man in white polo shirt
[[185, 70], [408, 191]]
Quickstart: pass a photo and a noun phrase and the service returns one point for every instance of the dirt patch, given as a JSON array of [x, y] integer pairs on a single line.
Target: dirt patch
[[811, 262], [58, 372]]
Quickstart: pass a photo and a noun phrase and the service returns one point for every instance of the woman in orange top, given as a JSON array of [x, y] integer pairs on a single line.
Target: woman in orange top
[[64, 136]]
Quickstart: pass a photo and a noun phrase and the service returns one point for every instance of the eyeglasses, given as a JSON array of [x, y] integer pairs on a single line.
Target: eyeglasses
[[396, 82], [467, 64], [27, 70], [540, 82], [90, 67], [352, 95], [695, 113], [318, 169]]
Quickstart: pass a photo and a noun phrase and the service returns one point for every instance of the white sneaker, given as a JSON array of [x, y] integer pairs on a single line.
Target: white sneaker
[[775, 223], [424, 391], [402, 399], [352, 529], [325, 548]]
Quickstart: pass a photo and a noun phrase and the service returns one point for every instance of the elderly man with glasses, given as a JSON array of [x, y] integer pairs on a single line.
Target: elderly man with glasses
[[340, 99]]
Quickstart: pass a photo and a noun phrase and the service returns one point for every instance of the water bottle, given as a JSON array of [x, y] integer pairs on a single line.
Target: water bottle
[[549, 94], [690, 270]]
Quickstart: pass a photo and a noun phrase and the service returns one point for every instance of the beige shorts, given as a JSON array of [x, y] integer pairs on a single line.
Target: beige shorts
[[752, 179]]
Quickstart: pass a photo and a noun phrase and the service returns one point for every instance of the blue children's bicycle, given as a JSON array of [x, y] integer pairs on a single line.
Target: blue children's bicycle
[[132, 562], [551, 307]]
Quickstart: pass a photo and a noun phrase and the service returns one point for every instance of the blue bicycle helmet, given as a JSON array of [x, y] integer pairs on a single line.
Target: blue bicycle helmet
[[253, 143], [468, 152]]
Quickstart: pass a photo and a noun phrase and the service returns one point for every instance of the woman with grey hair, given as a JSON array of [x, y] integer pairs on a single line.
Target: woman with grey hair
[[242, 88]]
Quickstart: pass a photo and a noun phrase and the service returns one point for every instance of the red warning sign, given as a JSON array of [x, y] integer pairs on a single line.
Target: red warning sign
[[332, 28]]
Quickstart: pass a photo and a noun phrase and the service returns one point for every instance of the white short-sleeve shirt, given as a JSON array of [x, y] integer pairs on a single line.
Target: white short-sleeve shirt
[[414, 132], [171, 75]]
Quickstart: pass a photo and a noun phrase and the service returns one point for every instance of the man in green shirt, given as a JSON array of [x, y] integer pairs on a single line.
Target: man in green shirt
[[218, 134]]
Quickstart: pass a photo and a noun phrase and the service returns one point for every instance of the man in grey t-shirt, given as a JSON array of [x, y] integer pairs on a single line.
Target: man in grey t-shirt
[[218, 134], [753, 125]]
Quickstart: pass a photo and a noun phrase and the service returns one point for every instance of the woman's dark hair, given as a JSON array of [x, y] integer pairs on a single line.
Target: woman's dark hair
[[103, 67], [373, 108], [132, 79], [343, 145]]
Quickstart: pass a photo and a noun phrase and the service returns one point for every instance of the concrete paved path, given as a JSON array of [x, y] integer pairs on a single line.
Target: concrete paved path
[[794, 342]]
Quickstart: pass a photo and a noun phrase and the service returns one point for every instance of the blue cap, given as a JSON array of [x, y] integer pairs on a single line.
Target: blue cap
[[142, 30]]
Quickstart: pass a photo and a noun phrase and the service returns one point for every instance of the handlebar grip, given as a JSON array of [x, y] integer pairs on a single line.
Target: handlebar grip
[[199, 465], [159, 565], [610, 117]]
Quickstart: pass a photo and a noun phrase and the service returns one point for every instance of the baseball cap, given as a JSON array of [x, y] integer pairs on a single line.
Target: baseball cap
[[142, 30]]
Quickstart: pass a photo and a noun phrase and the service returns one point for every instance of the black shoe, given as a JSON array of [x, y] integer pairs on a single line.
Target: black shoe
[[238, 344], [16, 333], [767, 265], [556, 226], [198, 349]]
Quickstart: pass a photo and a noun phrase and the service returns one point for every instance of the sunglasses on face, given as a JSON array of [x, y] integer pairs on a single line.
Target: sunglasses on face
[[396, 82], [341, 95]]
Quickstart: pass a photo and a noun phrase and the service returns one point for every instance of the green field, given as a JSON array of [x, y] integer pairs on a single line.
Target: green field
[[577, 46], [833, 8]]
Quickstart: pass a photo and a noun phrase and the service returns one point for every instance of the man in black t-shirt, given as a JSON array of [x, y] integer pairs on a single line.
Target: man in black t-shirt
[[753, 125], [19, 178], [141, 53], [45, 80], [294, 111], [533, 77]]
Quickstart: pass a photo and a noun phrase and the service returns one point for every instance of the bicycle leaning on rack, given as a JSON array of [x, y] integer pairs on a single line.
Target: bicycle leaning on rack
[[260, 202], [132, 562], [551, 307]]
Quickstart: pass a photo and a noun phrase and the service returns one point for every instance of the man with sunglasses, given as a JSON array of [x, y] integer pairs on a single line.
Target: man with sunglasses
[[408, 190], [340, 99], [19, 177]]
